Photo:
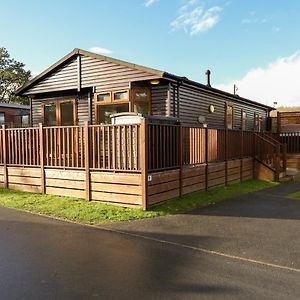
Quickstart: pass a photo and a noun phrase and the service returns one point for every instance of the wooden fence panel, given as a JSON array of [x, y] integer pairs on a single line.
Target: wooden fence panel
[[292, 140], [23, 147]]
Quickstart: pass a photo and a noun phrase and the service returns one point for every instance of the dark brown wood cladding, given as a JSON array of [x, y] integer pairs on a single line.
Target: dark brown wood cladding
[[105, 75], [159, 100], [64, 78], [195, 102], [182, 100]]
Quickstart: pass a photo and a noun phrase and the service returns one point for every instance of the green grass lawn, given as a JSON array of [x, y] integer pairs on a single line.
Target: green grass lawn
[[295, 195], [98, 213]]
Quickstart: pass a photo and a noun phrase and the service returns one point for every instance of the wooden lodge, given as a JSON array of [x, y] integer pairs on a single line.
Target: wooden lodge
[[108, 130], [14, 115]]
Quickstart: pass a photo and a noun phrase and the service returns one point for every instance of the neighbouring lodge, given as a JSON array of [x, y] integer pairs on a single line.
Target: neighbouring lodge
[[14, 115], [84, 86], [112, 131]]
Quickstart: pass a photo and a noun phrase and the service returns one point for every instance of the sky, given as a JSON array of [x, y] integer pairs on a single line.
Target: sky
[[254, 44]]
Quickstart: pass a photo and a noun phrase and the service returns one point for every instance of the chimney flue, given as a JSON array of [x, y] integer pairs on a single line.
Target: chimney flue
[[207, 73]]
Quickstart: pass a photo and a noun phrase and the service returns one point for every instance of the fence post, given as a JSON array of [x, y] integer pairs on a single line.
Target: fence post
[[284, 151], [254, 155], [226, 156], [242, 155], [277, 161], [206, 158], [180, 160], [4, 157], [144, 162], [87, 161], [42, 162]]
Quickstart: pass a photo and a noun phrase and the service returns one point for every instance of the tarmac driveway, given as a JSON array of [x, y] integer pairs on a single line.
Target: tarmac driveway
[[247, 248]]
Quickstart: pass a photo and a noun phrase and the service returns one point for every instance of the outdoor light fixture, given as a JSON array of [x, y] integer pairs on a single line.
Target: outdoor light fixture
[[154, 81], [211, 109]]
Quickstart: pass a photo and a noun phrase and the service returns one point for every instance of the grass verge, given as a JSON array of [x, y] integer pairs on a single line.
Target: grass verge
[[295, 195], [78, 210]]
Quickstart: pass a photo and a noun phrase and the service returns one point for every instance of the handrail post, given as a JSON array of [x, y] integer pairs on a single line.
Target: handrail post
[[144, 162], [242, 155], [180, 160], [4, 157], [87, 162], [284, 151], [277, 163], [254, 155], [226, 156], [206, 158], [42, 163]]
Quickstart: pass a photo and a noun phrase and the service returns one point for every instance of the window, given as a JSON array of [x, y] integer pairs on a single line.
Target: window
[[25, 120], [108, 103], [229, 117], [244, 120], [121, 96], [103, 97], [141, 100], [50, 114], [257, 122], [105, 111], [2, 118]]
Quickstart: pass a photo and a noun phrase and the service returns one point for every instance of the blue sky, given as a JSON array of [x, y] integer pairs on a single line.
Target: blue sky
[[234, 38]]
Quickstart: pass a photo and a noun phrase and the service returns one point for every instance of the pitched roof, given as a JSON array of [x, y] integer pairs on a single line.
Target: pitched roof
[[14, 105], [77, 51], [158, 73]]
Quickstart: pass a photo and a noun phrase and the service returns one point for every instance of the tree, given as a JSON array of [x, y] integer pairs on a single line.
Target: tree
[[12, 76]]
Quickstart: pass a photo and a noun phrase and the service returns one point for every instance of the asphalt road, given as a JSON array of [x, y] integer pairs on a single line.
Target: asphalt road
[[246, 248]]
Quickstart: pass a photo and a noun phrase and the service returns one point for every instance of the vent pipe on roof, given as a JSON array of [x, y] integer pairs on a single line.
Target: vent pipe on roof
[[207, 73]]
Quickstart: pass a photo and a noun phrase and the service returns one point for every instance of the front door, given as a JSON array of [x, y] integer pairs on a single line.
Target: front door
[[60, 113]]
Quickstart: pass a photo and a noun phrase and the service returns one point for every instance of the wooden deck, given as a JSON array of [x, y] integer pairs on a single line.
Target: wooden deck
[[135, 165]]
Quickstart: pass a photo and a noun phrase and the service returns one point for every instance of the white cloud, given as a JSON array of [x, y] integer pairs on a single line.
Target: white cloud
[[34, 74], [100, 50], [279, 82], [194, 18], [148, 3]]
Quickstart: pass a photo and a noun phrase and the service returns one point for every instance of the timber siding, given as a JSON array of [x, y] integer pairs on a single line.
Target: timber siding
[[83, 73], [194, 102], [64, 78], [106, 75], [159, 100]]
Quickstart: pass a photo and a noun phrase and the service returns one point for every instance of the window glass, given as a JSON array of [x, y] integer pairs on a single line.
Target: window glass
[[141, 95], [244, 120], [123, 95], [104, 111], [229, 117], [141, 108], [257, 122], [103, 97], [2, 118], [67, 114], [25, 120], [50, 115]]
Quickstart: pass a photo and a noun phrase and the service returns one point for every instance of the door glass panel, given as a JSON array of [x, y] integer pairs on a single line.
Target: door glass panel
[[104, 111], [141, 95], [67, 114], [50, 115], [141, 108]]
